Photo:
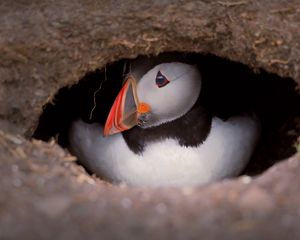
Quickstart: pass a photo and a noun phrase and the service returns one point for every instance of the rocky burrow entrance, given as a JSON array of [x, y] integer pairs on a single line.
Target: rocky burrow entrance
[[234, 86], [46, 48]]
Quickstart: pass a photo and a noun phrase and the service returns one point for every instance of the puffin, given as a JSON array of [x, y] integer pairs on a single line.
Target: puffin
[[160, 132]]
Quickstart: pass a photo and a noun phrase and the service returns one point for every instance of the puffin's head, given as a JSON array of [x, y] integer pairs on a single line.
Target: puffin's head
[[164, 93]]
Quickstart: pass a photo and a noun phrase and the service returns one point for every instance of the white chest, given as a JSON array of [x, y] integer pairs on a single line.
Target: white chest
[[225, 153]]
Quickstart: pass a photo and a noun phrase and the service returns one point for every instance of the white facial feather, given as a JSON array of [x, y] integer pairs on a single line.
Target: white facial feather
[[176, 98]]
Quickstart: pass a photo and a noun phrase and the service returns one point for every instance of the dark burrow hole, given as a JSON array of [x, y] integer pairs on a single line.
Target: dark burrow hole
[[230, 86]]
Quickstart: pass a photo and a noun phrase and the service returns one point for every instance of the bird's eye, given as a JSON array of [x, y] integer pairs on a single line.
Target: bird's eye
[[161, 80]]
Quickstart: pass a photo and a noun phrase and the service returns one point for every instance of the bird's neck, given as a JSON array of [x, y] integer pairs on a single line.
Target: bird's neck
[[190, 130]]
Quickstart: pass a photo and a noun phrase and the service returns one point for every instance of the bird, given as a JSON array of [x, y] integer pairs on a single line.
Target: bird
[[159, 131]]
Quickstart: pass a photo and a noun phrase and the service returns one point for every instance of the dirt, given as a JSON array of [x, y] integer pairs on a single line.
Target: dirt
[[46, 45], [45, 195]]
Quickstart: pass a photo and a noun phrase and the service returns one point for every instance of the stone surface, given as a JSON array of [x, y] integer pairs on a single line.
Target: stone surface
[[46, 45], [45, 195]]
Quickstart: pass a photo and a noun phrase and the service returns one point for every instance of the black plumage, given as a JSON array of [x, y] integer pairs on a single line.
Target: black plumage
[[190, 130]]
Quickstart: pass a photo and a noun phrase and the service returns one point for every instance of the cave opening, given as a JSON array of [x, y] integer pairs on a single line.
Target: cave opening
[[234, 86]]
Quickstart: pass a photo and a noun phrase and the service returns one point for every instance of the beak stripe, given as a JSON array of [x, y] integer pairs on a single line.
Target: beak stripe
[[117, 120]]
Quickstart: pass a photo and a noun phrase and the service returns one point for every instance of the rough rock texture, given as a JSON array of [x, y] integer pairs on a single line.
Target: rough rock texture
[[46, 196], [45, 45]]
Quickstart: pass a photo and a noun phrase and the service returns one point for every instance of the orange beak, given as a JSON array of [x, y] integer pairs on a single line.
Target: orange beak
[[126, 109]]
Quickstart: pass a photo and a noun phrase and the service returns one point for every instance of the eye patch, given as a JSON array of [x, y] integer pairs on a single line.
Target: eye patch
[[161, 80]]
